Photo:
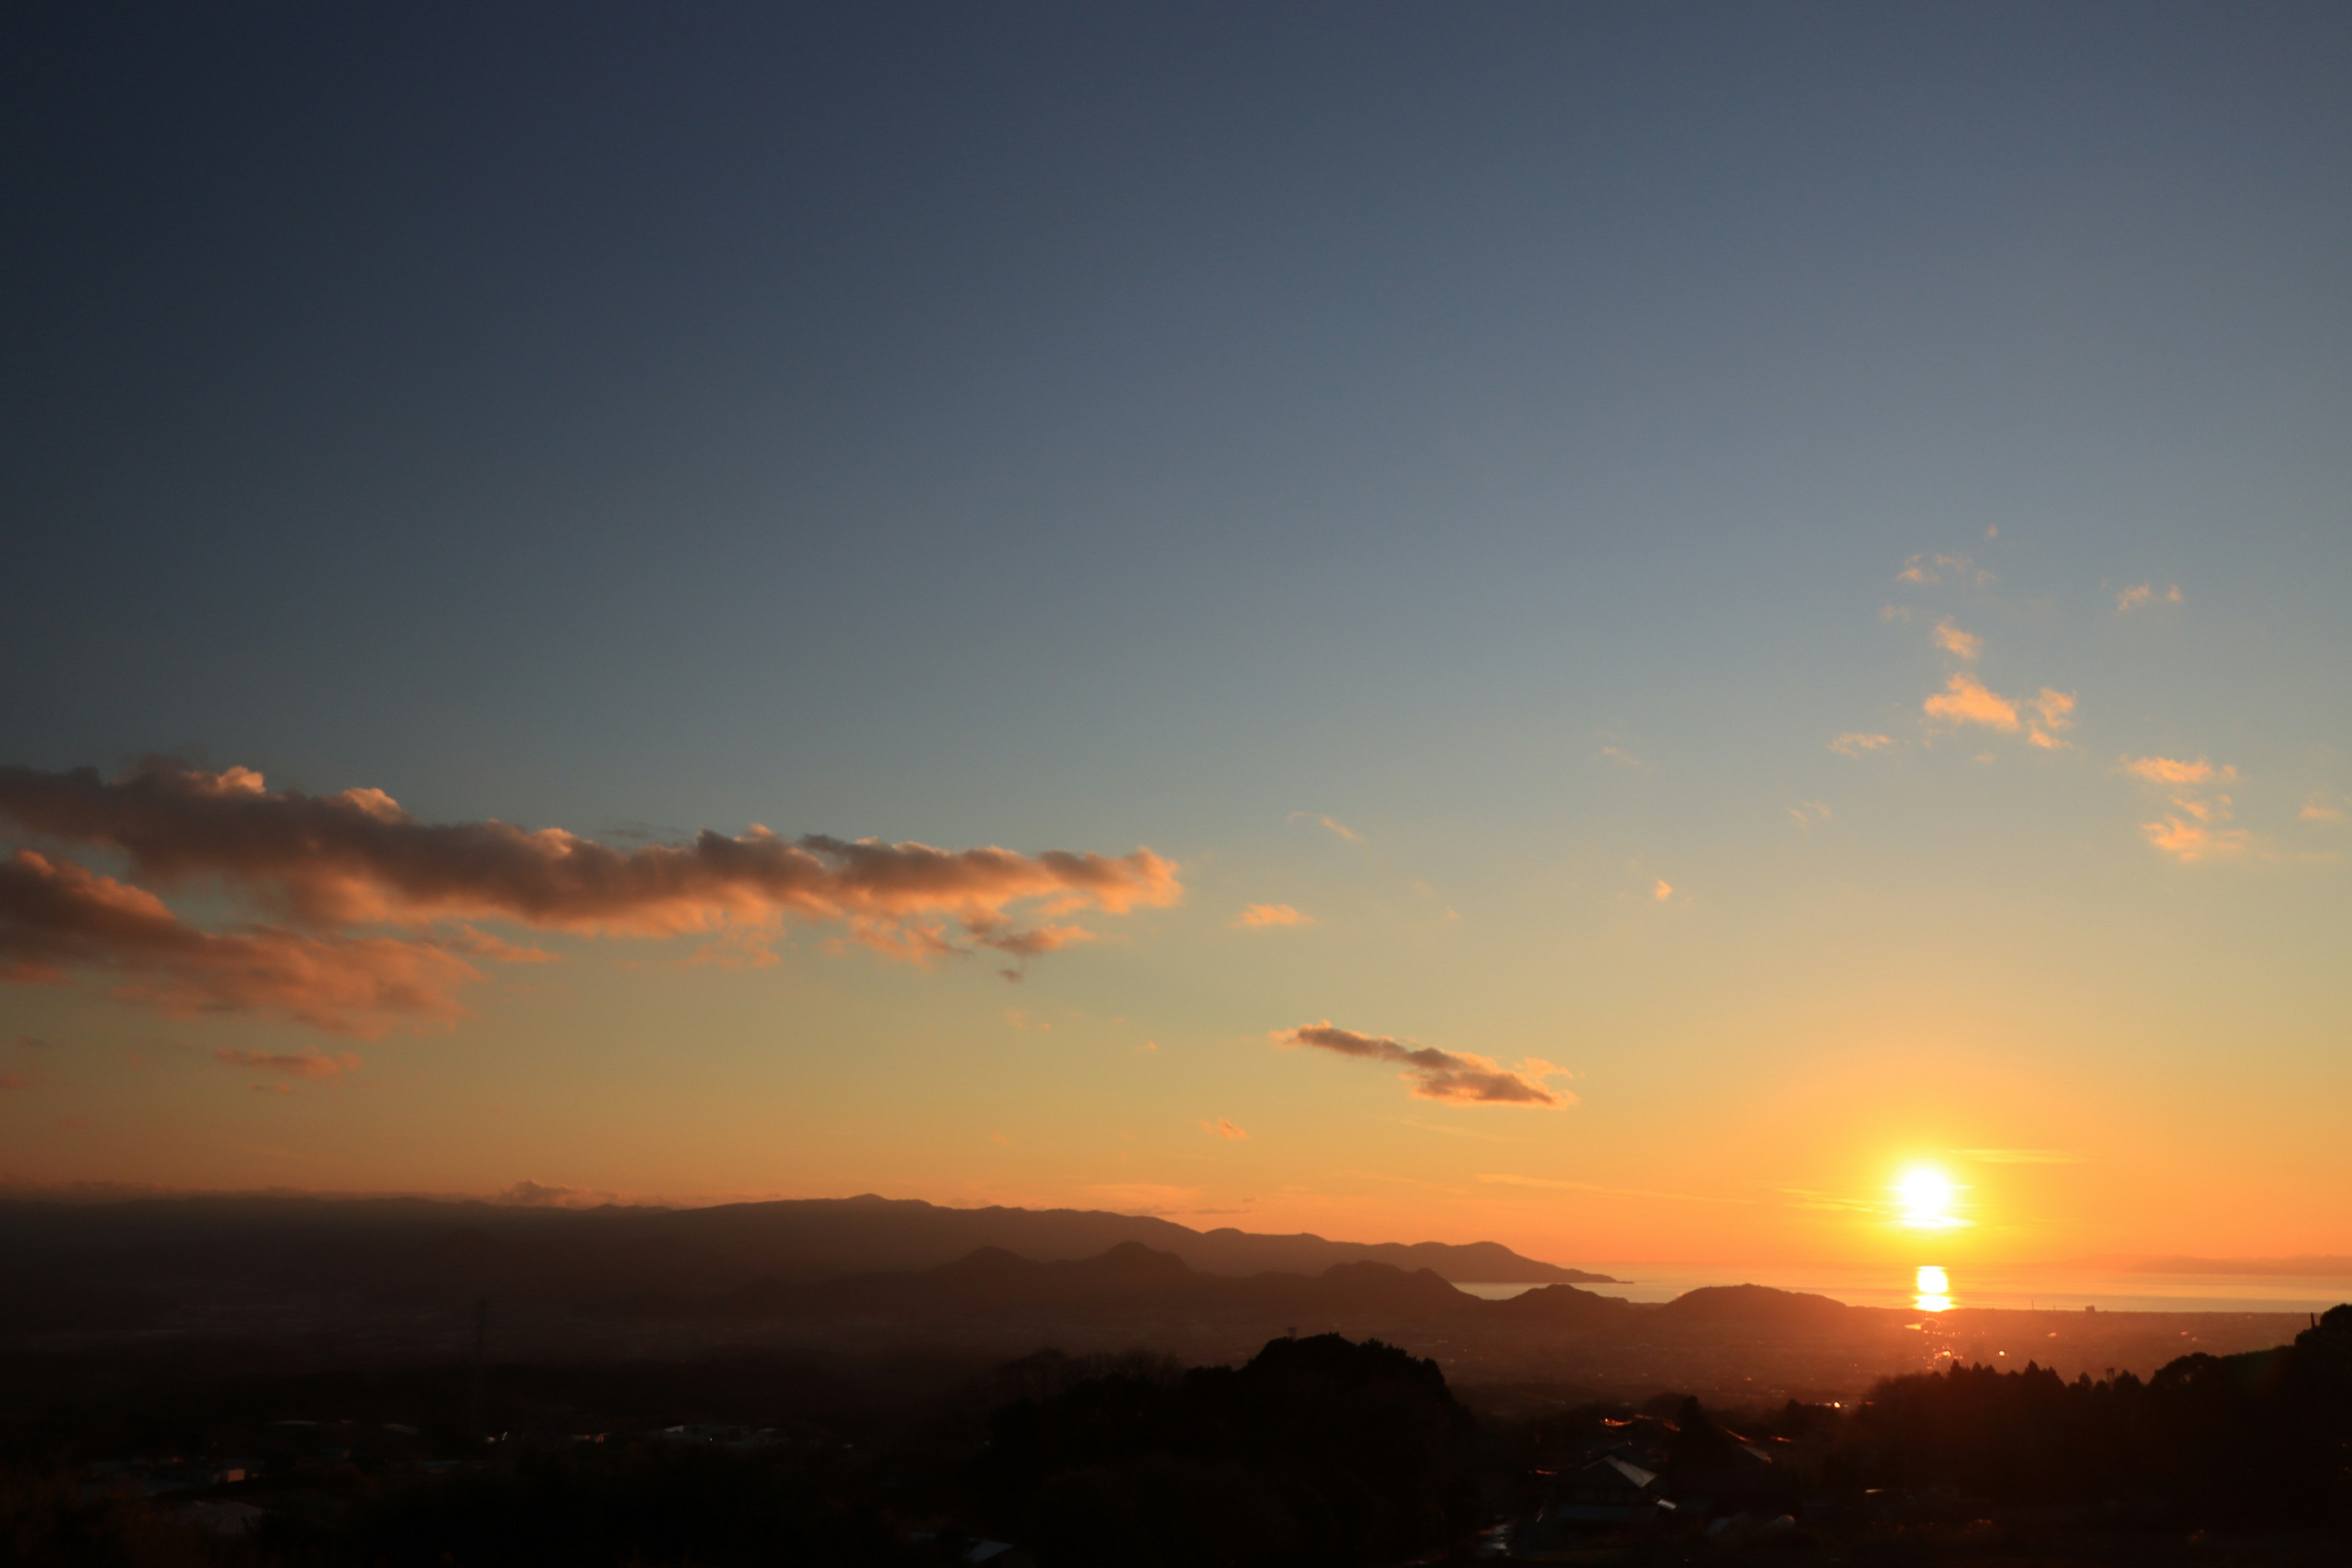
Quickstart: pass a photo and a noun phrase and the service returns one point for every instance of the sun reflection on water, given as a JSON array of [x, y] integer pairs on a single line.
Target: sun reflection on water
[[1935, 1289]]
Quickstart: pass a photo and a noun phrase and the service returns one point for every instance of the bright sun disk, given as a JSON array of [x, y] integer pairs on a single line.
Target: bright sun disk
[[1927, 1196]]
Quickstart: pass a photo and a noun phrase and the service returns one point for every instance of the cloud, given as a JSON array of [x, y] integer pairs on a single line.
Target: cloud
[[1965, 699], [1149, 1197], [1221, 1128], [328, 863], [2023, 1156], [1459, 1077], [1663, 891], [2145, 594], [1341, 828], [2319, 808], [2166, 771], [1857, 743], [1810, 813], [2189, 839], [2057, 712], [1922, 571], [1261, 915], [2197, 827], [528, 1193], [1957, 643], [356, 857], [17, 1080], [56, 915], [309, 1064]]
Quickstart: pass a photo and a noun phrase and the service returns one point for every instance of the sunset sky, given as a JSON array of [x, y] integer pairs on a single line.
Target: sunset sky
[[1600, 627]]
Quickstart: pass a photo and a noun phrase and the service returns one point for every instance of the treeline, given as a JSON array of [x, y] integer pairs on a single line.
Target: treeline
[[1320, 1451], [2261, 1437]]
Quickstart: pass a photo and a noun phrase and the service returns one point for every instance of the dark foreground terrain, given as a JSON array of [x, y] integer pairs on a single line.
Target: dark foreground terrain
[[307, 1383], [1317, 1450]]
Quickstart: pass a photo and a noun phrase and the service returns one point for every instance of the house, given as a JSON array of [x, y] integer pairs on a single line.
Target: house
[[1600, 1493]]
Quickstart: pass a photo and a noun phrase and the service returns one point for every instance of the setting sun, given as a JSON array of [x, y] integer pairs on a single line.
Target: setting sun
[[1925, 1196]]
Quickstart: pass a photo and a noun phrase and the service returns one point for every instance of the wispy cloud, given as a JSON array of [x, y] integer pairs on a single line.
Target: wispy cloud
[[1431, 1074], [2057, 713], [1860, 743], [1258, 916], [1957, 643], [1221, 1128], [57, 915], [311, 1065], [2145, 594], [2022, 1156], [1809, 813], [1965, 699], [1925, 570], [1332, 824], [2196, 827], [2319, 808], [1147, 1198], [2168, 771], [528, 1193], [2189, 839], [329, 863]]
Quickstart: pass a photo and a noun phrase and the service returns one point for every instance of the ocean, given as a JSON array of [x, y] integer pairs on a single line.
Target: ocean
[[1867, 1285]]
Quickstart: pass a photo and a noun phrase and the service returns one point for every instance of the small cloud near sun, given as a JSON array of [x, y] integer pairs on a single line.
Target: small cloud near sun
[[1663, 891], [1957, 643], [2143, 594], [1221, 1128], [1260, 916], [1333, 824]]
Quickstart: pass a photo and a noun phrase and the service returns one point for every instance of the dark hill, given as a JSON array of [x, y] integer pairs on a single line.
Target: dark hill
[[1755, 1306]]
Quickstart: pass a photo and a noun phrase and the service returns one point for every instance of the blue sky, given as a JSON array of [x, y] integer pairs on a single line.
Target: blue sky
[[1498, 430]]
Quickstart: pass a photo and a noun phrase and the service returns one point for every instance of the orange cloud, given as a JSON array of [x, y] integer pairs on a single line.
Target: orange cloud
[[2319, 808], [1957, 643], [1856, 743], [1259, 915], [1341, 828], [308, 1064], [1965, 699], [1924, 571], [1458, 1077], [1221, 1128], [2057, 711], [1663, 891], [56, 915], [2197, 828], [2145, 594], [2166, 771], [2191, 840], [356, 857]]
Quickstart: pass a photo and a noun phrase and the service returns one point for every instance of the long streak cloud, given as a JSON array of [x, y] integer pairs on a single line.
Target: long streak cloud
[[326, 864], [1432, 1074]]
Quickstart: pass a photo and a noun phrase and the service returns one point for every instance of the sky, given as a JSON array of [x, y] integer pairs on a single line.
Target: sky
[[1600, 627]]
